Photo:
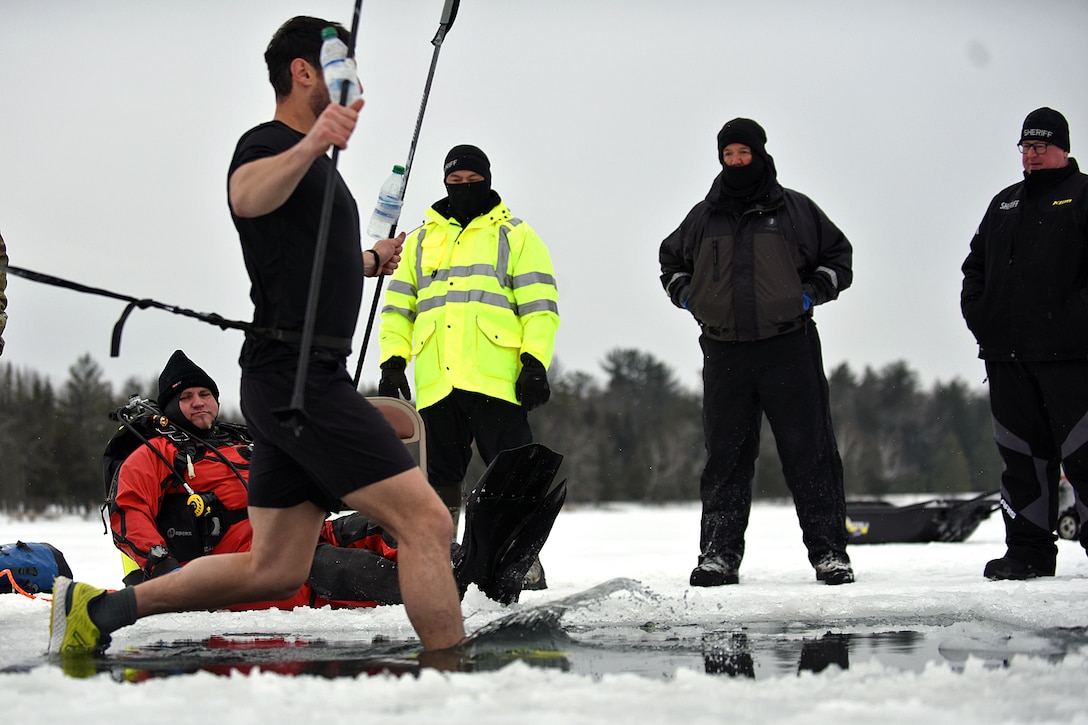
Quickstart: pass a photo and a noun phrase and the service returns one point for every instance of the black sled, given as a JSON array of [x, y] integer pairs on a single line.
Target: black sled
[[880, 522]]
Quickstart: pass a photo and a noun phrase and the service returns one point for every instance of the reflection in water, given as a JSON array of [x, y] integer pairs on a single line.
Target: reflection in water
[[732, 654], [819, 654], [728, 656], [652, 650], [228, 655], [244, 654], [777, 651]]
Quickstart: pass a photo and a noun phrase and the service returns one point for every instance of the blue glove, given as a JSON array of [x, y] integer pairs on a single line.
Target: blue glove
[[808, 301]]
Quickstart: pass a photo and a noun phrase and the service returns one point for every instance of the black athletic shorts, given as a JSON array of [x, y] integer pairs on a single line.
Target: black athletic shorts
[[345, 444]]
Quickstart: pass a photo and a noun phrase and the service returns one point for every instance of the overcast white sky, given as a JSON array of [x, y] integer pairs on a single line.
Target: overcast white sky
[[119, 118]]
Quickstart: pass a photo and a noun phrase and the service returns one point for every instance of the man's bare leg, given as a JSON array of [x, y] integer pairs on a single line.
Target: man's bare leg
[[409, 509], [274, 568]]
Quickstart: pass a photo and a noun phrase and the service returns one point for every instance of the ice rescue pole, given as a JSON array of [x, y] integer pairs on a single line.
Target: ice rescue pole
[[449, 14]]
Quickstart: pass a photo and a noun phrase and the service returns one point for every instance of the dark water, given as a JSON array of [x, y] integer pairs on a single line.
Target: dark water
[[759, 651]]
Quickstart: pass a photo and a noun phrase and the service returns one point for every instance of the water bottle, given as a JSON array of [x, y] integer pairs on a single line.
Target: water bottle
[[338, 67], [387, 208]]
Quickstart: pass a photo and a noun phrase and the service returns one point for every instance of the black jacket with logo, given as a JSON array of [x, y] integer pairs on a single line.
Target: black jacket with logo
[[744, 274], [1025, 280]]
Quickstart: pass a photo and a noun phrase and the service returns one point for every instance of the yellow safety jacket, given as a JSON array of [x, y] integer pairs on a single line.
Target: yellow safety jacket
[[464, 304]]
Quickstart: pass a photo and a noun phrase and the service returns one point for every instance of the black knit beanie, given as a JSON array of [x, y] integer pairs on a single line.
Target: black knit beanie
[[745, 131], [1046, 125], [467, 158], [181, 373]]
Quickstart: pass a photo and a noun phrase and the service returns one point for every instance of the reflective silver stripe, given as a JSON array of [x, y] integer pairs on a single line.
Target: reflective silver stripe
[[524, 280], [830, 273], [465, 296], [538, 306], [486, 270], [399, 285], [421, 281], [502, 261], [400, 311]]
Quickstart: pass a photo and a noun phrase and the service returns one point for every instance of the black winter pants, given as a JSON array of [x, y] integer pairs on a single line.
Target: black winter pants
[[457, 420], [1040, 417], [783, 377]]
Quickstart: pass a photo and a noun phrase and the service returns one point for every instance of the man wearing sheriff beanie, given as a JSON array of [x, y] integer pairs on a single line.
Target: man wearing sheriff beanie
[[1025, 299]]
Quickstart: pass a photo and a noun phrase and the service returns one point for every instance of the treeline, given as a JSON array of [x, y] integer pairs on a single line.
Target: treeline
[[639, 437], [636, 435]]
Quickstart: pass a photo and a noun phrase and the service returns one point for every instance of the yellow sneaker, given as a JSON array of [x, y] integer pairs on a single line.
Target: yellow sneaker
[[71, 631]]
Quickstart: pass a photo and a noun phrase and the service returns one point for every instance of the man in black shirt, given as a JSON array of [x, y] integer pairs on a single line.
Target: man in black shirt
[[346, 453]]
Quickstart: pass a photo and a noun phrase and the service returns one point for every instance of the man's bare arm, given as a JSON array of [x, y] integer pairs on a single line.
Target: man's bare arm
[[262, 186]]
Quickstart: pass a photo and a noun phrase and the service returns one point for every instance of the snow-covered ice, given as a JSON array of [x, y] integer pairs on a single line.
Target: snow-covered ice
[[980, 652]]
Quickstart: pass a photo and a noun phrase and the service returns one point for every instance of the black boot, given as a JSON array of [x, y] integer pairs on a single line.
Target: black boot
[[1009, 568], [714, 571], [834, 569]]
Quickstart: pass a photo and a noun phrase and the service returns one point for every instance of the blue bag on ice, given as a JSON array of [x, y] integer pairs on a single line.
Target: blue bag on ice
[[33, 567]]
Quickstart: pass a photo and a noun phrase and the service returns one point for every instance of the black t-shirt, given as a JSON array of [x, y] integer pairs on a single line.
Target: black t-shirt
[[279, 250]]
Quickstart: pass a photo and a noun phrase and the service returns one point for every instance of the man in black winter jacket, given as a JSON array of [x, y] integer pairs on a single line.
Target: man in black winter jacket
[[1025, 299], [750, 262]]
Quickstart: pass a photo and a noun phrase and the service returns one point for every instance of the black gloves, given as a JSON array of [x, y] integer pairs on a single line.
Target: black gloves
[[394, 382], [532, 386], [531, 389]]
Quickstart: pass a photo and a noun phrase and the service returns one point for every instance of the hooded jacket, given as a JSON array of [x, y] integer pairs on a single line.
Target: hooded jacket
[[743, 269], [466, 302]]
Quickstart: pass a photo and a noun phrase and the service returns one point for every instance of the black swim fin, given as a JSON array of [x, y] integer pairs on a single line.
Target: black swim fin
[[509, 512], [521, 549]]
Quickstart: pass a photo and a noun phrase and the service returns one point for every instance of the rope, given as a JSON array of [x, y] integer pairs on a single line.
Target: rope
[[15, 586]]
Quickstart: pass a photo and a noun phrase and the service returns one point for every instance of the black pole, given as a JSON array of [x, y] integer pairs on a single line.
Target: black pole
[[294, 415], [449, 14]]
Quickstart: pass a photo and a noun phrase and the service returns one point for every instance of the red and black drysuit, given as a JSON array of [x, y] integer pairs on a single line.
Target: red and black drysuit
[[1025, 299], [354, 563]]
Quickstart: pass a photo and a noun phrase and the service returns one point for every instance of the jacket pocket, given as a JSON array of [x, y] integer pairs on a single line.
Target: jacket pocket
[[778, 288], [497, 348], [426, 352]]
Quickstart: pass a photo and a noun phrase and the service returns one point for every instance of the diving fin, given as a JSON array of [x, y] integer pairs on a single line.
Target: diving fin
[[521, 549], [510, 510]]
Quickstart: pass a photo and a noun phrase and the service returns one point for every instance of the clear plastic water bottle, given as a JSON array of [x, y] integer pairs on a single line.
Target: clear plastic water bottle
[[387, 208], [338, 67]]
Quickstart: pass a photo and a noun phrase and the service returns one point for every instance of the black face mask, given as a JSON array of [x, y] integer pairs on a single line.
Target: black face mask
[[743, 181], [468, 201]]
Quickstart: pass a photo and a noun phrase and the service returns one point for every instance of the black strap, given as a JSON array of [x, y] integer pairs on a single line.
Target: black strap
[[231, 517], [294, 337]]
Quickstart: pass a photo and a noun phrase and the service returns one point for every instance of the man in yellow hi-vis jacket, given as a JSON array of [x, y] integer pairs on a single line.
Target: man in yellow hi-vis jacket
[[474, 304]]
